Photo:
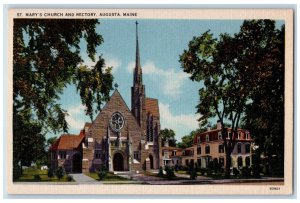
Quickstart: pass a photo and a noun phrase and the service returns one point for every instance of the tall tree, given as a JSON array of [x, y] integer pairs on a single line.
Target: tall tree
[[46, 57], [168, 135], [229, 68]]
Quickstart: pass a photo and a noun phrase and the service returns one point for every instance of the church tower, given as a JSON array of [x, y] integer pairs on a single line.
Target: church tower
[[138, 89]]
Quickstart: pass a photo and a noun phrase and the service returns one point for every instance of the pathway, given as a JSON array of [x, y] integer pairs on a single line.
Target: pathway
[[81, 178]]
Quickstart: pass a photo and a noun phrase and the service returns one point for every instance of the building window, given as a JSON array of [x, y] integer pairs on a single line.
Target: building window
[[221, 148], [174, 153], [239, 148], [207, 149], [62, 155], [247, 148], [240, 161], [207, 160], [198, 150], [97, 154], [198, 140], [220, 135], [239, 135], [199, 163], [247, 135], [136, 155], [150, 128], [186, 162], [229, 135], [247, 160], [53, 155], [207, 138], [221, 161]]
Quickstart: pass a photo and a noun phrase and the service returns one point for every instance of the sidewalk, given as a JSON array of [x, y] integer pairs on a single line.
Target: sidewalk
[[81, 178]]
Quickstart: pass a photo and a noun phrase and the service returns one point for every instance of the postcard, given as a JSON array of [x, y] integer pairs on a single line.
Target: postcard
[[150, 101]]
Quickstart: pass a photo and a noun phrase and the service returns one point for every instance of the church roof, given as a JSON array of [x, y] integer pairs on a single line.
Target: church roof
[[68, 142], [152, 106]]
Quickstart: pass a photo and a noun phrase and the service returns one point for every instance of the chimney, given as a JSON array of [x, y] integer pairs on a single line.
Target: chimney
[[208, 126], [219, 125], [166, 143]]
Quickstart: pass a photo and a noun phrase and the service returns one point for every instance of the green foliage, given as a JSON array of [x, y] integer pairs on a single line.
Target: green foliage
[[168, 134], [246, 172], [160, 172], [169, 172], [60, 172], [37, 177], [70, 178], [102, 172], [242, 75], [235, 172], [193, 171], [46, 58], [50, 173]]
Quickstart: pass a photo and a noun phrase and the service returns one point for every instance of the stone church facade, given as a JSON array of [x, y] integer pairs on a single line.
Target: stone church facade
[[120, 138]]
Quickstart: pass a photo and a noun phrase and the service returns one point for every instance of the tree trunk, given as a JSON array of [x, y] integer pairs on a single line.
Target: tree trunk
[[228, 165]]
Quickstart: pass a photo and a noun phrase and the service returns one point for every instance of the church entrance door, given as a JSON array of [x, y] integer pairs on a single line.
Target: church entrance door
[[118, 162], [151, 161], [77, 163]]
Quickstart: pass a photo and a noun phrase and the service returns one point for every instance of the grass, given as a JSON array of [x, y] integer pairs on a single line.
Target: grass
[[109, 177], [28, 176]]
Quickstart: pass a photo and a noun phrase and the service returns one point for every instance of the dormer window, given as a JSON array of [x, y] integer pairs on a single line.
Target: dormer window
[[247, 135], [220, 135], [198, 140], [239, 135], [229, 135], [207, 138]]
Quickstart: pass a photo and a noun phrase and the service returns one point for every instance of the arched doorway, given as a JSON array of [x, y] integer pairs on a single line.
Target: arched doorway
[[77, 164], [118, 162], [151, 161]]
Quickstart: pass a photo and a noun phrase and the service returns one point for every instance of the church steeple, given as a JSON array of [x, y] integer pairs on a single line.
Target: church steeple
[[138, 89], [137, 79]]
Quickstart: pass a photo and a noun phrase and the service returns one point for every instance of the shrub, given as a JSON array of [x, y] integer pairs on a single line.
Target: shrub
[[50, 173], [102, 172], [246, 171], [236, 172], [169, 172], [60, 172], [37, 177], [160, 172], [69, 178], [176, 167]]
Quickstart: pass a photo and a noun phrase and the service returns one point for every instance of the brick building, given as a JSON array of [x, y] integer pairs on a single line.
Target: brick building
[[120, 138]]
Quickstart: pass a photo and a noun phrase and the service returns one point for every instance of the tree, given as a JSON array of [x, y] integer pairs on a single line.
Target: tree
[[168, 135], [188, 140], [265, 115], [46, 58], [228, 69], [51, 141]]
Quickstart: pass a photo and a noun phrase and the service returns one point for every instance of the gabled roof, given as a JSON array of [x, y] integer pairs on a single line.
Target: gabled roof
[[68, 142], [151, 106]]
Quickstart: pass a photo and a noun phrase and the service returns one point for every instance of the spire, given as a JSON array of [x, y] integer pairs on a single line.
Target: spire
[[137, 59], [138, 70]]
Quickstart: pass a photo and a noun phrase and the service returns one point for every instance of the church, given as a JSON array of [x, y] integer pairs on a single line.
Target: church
[[120, 138]]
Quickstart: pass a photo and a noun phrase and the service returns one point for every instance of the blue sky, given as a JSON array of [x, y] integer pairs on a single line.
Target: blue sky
[[161, 42]]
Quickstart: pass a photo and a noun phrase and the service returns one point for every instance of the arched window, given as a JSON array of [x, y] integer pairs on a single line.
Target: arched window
[[207, 138], [150, 128], [207, 149]]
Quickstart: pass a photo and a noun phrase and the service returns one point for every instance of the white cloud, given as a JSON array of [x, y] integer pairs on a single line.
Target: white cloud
[[171, 80], [75, 118], [182, 124], [113, 62]]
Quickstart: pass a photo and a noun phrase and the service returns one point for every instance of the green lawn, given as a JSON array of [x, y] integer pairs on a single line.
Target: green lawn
[[28, 176], [109, 177]]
